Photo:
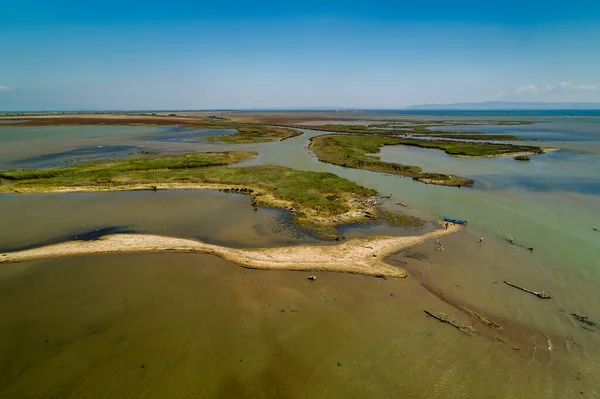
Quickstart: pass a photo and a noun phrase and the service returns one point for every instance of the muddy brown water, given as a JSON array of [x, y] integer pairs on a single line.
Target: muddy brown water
[[211, 216], [193, 326]]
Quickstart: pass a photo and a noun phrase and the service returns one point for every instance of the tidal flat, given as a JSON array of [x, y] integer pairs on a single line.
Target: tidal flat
[[277, 334], [202, 327]]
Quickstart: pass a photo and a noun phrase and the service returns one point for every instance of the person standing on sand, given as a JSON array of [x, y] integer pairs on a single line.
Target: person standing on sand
[[481, 240], [446, 225]]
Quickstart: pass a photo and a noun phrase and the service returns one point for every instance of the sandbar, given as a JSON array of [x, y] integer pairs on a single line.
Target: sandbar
[[361, 256]]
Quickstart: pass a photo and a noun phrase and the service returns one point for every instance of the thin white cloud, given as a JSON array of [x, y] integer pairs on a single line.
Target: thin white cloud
[[562, 87], [568, 86], [529, 89], [4, 88]]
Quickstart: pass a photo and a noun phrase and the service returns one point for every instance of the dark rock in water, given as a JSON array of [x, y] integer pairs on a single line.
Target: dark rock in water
[[312, 278], [584, 320]]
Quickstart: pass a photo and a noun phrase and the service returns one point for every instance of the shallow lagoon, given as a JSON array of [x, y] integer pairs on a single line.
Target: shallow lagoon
[[550, 203], [211, 216], [196, 326], [45, 146]]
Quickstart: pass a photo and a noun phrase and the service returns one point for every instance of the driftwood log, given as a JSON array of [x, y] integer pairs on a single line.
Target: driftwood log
[[482, 318], [444, 318], [542, 294]]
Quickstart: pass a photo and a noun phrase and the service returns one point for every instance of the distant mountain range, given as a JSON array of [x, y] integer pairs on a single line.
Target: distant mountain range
[[507, 105]]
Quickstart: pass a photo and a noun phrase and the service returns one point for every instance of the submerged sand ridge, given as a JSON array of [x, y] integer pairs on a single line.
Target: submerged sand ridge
[[361, 256]]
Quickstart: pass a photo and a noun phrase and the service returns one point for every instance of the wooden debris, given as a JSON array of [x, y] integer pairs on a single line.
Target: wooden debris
[[484, 319], [444, 318], [438, 245], [541, 294], [515, 348], [510, 239]]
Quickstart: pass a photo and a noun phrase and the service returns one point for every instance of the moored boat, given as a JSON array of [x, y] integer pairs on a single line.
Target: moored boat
[[457, 221]]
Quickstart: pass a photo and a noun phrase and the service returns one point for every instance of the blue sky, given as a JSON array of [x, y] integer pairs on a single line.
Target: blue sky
[[65, 55]]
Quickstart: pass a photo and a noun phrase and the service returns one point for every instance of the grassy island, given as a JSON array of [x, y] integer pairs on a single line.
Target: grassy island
[[415, 130], [472, 149], [255, 134], [352, 151], [318, 201]]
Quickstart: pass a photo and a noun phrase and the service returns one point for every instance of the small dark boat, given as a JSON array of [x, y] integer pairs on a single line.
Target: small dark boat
[[457, 221]]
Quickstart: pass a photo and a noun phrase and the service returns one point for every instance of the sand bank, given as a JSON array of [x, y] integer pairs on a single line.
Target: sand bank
[[353, 256]]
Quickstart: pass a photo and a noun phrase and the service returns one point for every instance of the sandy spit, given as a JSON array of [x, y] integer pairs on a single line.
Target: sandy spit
[[353, 256]]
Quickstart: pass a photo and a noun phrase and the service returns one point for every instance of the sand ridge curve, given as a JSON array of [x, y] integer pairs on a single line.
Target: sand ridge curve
[[353, 256]]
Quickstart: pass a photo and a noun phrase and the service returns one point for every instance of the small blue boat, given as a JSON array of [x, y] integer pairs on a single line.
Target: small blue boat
[[457, 221]]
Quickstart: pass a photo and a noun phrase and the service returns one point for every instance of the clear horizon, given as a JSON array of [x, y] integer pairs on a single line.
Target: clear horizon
[[406, 110], [329, 54]]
